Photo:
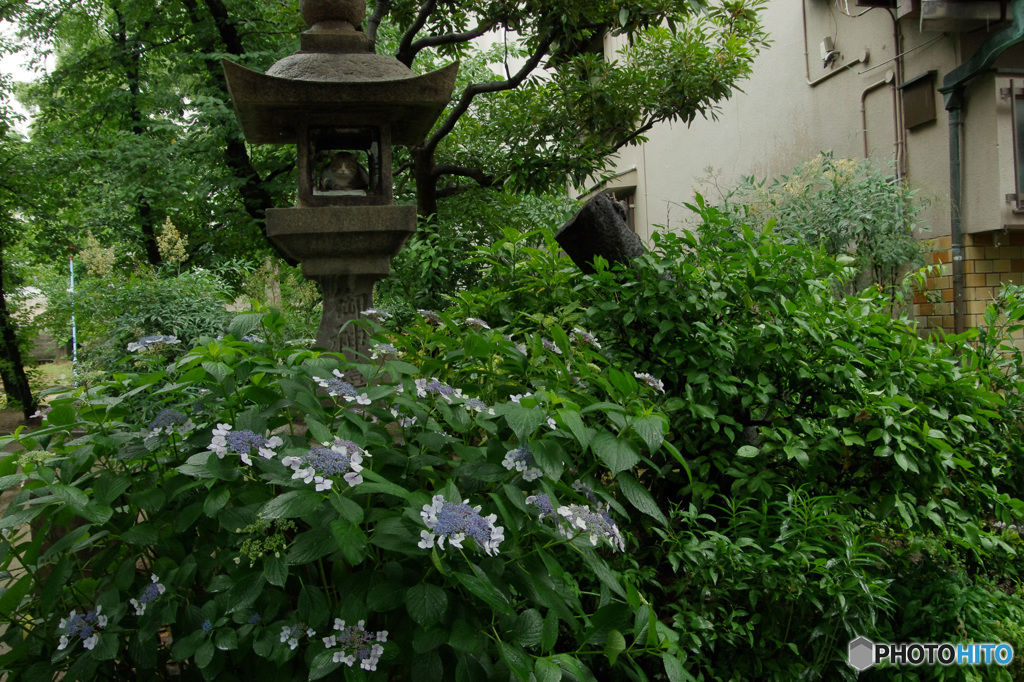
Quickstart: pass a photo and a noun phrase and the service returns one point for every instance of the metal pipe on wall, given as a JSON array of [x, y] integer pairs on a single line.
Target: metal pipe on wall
[[888, 78]]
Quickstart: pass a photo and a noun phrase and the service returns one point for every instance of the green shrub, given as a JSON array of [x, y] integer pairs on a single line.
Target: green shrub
[[112, 312], [194, 518], [845, 206]]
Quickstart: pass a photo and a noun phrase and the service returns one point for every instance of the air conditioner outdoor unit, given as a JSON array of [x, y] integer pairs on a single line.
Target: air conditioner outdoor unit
[[960, 15]]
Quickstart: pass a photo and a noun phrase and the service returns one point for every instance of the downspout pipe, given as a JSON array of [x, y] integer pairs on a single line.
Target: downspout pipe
[[953, 88]]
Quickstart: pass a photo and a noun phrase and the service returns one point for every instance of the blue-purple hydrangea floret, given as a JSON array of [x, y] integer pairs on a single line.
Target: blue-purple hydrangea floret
[[454, 521], [170, 421], [147, 342], [381, 350], [521, 460], [207, 626], [425, 387], [226, 439], [550, 345], [82, 625], [597, 524], [543, 503], [429, 315], [153, 590], [651, 381], [292, 633], [583, 336], [356, 644], [340, 458]]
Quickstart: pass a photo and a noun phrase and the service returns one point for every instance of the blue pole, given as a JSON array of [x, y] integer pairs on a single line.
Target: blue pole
[[74, 335]]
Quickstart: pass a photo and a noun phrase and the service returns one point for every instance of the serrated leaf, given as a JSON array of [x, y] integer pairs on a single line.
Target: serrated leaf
[[215, 501], [480, 585], [351, 540], [549, 633], [72, 496], [573, 420], [522, 420], [517, 660], [652, 429], [140, 534], [547, 670], [618, 454], [292, 504], [529, 628], [640, 498], [674, 668], [275, 570], [319, 432], [314, 544], [426, 603]]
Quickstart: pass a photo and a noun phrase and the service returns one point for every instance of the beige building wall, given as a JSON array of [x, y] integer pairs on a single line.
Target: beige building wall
[[795, 106]]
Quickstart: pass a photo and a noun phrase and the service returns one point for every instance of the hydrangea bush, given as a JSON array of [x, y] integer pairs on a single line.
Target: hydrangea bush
[[247, 513]]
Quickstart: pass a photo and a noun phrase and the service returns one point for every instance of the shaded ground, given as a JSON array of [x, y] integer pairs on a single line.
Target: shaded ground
[[10, 420]]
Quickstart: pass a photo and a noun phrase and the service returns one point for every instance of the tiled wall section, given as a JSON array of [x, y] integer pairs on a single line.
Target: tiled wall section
[[990, 258]]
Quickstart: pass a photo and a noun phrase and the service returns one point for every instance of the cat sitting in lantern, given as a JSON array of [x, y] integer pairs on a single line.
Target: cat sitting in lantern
[[345, 167]]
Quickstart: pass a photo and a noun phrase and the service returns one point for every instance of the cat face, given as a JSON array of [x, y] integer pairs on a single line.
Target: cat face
[[343, 172]]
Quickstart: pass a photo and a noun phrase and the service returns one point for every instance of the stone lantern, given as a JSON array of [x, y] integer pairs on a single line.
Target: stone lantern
[[343, 106]]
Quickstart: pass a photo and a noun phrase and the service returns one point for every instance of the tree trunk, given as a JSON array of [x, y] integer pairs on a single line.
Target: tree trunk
[[12, 368], [130, 54], [426, 181]]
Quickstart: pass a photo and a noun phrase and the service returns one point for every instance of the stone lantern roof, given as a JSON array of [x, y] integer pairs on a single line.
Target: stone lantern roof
[[336, 80]]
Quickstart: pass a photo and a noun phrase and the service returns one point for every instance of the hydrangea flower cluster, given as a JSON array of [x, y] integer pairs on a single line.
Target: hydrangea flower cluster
[[598, 524], [429, 316], [425, 387], [376, 314], [550, 345], [147, 342], [342, 457], [170, 421], [382, 350], [651, 381], [292, 633], [337, 387], [543, 503], [225, 440], [356, 645], [521, 460], [82, 625], [477, 405], [150, 594], [457, 521], [583, 336], [477, 322]]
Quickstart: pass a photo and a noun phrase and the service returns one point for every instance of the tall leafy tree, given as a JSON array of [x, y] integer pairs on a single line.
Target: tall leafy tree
[[138, 123], [16, 195]]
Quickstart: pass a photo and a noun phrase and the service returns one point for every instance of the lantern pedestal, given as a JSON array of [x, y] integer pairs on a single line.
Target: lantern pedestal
[[347, 249]]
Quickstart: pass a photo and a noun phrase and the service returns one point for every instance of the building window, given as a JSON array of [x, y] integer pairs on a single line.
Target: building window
[[1015, 95]]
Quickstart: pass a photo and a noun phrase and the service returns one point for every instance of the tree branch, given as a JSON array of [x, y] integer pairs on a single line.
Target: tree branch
[[448, 39], [475, 89], [405, 52], [482, 178], [635, 134], [380, 10]]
